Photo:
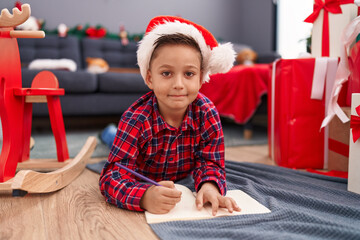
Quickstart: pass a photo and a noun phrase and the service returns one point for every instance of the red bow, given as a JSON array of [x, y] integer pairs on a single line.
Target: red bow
[[355, 124], [96, 32], [332, 6]]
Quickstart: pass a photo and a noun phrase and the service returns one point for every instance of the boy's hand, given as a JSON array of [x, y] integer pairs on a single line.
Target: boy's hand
[[210, 193], [160, 199]]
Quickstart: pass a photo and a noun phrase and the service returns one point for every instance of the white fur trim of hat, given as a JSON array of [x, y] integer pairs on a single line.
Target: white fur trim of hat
[[217, 58]]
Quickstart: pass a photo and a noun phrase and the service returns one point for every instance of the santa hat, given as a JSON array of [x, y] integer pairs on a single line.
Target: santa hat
[[217, 58]]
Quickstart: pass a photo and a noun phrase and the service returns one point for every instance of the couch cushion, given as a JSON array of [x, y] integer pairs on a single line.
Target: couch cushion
[[112, 51], [111, 82], [73, 82], [50, 47]]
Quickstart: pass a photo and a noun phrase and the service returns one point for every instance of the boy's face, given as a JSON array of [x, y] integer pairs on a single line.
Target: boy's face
[[175, 76]]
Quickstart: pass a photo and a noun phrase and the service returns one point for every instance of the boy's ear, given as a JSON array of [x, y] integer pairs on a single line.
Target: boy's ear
[[148, 80]]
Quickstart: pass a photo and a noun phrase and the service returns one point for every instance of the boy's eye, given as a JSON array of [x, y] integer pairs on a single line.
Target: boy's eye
[[165, 74], [189, 74]]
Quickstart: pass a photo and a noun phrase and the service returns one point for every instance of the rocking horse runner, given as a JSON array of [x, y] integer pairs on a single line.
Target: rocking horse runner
[[16, 114]]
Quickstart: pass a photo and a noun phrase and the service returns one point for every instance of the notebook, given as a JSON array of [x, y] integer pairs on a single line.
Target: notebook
[[186, 208]]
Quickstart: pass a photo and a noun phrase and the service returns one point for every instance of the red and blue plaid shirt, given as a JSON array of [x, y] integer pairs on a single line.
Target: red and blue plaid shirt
[[145, 143]]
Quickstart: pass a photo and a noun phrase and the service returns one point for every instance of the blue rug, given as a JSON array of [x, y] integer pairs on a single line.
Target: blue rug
[[303, 206], [45, 144]]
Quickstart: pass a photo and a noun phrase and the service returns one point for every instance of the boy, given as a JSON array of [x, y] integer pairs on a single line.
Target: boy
[[174, 130]]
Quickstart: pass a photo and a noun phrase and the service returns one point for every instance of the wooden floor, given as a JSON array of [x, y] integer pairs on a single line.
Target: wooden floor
[[79, 211]]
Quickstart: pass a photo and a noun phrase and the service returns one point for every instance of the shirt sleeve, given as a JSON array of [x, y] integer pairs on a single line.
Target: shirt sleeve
[[118, 186], [210, 162]]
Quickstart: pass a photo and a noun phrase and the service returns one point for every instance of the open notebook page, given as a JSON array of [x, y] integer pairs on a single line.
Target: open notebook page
[[186, 208]]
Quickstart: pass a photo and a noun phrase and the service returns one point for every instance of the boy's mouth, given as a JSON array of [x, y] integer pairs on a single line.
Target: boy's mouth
[[178, 95]]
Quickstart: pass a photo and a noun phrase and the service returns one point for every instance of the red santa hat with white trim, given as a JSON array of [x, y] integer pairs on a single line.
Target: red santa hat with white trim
[[217, 58]]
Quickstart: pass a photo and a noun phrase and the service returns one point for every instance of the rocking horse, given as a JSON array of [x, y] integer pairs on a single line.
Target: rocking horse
[[16, 118]]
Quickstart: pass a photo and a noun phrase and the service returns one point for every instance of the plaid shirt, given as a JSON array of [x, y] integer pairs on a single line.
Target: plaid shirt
[[145, 143]]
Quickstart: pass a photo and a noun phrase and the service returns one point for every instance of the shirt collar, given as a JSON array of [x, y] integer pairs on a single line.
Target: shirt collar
[[159, 124]]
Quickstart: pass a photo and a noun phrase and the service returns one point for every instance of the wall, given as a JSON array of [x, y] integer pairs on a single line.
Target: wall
[[239, 21]]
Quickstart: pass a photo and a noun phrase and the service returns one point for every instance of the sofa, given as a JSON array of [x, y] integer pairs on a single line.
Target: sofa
[[88, 94]]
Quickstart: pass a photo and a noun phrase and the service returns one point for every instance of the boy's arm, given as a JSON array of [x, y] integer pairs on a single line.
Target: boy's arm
[[117, 185], [210, 163]]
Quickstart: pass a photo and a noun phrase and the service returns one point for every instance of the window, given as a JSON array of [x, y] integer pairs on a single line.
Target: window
[[292, 31]]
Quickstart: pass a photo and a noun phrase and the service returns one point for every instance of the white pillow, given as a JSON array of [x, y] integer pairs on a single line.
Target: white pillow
[[65, 64]]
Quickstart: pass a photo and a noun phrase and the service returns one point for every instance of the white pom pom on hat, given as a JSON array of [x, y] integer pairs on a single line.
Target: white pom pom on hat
[[217, 58]]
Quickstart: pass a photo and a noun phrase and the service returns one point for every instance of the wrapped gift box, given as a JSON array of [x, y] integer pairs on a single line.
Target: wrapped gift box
[[296, 110], [328, 24], [339, 135], [354, 155]]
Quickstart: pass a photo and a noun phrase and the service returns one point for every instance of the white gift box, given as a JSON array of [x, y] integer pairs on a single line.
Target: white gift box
[[337, 23], [354, 155]]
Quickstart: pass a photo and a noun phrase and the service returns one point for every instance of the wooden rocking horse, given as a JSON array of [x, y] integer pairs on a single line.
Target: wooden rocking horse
[[16, 118]]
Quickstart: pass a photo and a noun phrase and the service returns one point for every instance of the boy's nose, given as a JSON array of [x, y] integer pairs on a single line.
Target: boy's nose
[[178, 84]]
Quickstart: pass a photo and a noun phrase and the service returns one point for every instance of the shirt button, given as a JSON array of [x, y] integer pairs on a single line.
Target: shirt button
[[170, 159]]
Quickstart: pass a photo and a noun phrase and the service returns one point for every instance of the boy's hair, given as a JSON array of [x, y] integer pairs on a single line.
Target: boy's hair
[[176, 39], [215, 57]]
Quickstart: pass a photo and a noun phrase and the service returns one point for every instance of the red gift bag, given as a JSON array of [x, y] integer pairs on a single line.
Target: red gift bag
[[295, 117]]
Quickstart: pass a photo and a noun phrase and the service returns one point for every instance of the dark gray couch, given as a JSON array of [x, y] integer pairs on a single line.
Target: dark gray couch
[[86, 94]]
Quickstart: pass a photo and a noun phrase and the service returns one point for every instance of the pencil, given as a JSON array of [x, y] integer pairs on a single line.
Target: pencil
[[138, 174]]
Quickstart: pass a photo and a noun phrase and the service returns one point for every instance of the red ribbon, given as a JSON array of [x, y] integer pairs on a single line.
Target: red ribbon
[[355, 124], [339, 147], [332, 6]]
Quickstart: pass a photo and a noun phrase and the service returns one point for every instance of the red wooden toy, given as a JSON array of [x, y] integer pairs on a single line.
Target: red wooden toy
[[16, 113]]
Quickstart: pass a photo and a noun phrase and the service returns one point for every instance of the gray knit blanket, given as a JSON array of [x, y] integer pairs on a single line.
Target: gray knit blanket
[[303, 206]]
